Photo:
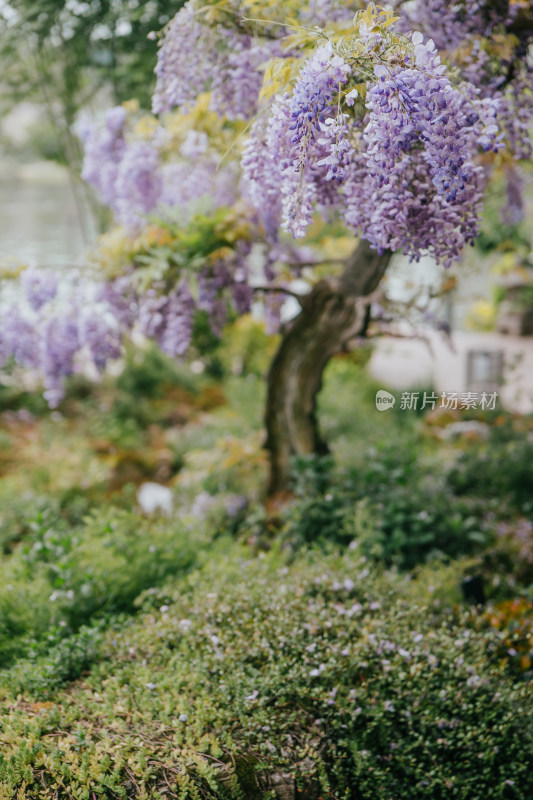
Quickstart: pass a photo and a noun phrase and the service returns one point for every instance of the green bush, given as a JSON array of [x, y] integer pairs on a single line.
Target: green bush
[[502, 468], [56, 660], [414, 515], [148, 376], [67, 577], [12, 398]]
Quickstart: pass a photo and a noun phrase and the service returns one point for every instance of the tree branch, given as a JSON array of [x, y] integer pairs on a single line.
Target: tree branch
[[363, 270], [280, 289]]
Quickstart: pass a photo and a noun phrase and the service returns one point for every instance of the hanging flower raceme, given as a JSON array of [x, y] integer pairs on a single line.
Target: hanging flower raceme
[[57, 328], [167, 318], [195, 57], [141, 175], [104, 148], [303, 132]]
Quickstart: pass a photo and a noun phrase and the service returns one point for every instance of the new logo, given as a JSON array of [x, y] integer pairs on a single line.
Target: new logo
[[384, 400]]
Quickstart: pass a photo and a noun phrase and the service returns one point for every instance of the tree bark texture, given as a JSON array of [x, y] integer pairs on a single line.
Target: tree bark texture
[[332, 313]]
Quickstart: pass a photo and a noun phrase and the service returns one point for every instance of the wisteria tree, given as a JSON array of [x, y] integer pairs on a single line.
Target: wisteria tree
[[282, 116]]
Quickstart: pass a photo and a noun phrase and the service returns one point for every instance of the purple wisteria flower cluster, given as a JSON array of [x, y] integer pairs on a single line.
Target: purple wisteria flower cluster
[[194, 57], [510, 78], [103, 150], [135, 178], [404, 174], [168, 318], [303, 145], [138, 185], [125, 174], [183, 52], [324, 12], [451, 22], [198, 174], [415, 185], [57, 328]]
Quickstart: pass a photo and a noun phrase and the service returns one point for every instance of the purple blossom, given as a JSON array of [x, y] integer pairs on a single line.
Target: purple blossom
[[103, 150], [261, 171], [101, 334], [183, 66], [168, 318], [59, 343], [324, 12], [19, 338], [277, 157], [176, 336], [237, 81], [138, 184], [319, 84], [80, 324], [195, 57], [39, 285], [335, 140]]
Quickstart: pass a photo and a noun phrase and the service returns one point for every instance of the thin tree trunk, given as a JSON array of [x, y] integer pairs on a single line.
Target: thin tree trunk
[[332, 313]]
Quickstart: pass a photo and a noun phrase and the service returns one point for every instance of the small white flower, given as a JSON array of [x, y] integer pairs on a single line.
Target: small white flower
[[355, 609], [183, 717], [350, 97]]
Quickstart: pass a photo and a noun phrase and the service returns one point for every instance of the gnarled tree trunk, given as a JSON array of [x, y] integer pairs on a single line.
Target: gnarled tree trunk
[[332, 313]]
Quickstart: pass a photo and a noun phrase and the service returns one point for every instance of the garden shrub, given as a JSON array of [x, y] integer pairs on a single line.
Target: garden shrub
[[501, 467], [414, 514], [67, 577]]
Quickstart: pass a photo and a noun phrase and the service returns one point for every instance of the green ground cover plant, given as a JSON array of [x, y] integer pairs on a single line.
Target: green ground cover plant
[[324, 672], [223, 652]]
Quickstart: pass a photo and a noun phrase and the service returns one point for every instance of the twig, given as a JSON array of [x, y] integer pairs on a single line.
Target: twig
[[280, 289], [319, 263], [168, 784], [132, 779], [316, 30]]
